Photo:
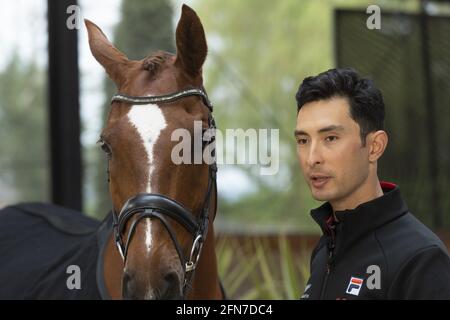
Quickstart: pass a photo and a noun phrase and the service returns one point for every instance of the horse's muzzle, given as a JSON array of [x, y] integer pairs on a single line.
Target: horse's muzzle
[[168, 288]]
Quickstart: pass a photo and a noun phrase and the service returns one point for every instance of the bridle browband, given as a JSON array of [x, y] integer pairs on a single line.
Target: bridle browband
[[166, 98], [158, 206]]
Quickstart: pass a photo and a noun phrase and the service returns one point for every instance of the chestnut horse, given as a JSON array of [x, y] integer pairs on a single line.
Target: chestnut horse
[[158, 241]]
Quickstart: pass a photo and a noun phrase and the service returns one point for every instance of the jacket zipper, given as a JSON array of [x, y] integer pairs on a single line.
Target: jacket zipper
[[330, 249]]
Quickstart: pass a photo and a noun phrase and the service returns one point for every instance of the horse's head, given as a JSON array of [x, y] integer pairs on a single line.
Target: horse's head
[[160, 207]]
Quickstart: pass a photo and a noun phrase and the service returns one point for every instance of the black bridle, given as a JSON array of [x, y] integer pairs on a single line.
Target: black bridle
[[151, 205]]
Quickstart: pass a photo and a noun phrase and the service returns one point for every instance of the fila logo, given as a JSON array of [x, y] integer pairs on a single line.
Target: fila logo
[[372, 282], [354, 286]]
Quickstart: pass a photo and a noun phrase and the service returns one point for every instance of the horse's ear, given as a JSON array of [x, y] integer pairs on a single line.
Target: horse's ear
[[191, 42], [106, 54]]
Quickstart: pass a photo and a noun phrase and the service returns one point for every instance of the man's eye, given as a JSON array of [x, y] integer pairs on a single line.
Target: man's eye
[[302, 141], [331, 138]]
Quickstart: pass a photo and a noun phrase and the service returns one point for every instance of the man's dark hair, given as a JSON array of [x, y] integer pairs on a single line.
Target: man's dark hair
[[366, 101]]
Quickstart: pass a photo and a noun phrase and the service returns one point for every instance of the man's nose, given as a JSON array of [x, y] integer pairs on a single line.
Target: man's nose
[[314, 155]]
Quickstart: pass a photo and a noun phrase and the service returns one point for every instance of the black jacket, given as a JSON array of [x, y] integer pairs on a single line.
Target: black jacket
[[378, 250]]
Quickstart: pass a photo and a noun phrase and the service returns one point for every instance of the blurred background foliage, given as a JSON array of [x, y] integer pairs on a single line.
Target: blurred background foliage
[[23, 157], [263, 268]]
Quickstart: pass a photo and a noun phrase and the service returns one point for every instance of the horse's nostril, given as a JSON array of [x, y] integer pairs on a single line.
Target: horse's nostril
[[171, 286], [171, 278]]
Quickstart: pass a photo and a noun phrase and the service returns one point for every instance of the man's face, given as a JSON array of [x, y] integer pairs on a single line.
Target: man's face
[[330, 151]]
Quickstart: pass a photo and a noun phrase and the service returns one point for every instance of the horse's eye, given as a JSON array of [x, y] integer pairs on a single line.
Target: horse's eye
[[105, 147]]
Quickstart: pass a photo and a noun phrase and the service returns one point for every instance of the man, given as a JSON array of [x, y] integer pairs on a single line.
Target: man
[[372, 247]]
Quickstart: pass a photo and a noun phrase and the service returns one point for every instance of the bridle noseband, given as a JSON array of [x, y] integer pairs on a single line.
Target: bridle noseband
[[151, 205]]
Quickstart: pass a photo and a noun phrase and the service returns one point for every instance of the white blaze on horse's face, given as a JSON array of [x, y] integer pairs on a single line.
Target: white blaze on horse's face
[[149, 121], [148, 234]]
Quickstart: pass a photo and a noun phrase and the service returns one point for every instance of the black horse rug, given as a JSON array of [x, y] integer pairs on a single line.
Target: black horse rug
[[41, 244]]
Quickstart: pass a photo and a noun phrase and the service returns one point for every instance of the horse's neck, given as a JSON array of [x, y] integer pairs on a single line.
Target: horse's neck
[[205, 284]]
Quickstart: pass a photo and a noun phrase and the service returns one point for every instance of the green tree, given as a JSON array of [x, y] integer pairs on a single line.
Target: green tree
[[23, 133]]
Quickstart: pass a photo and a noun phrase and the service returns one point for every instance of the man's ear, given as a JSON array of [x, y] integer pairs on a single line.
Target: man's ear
[[191, 42], [377, 143], [106, 54]]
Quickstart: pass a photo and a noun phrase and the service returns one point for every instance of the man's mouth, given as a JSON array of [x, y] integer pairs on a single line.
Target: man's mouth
[[319, 181]]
